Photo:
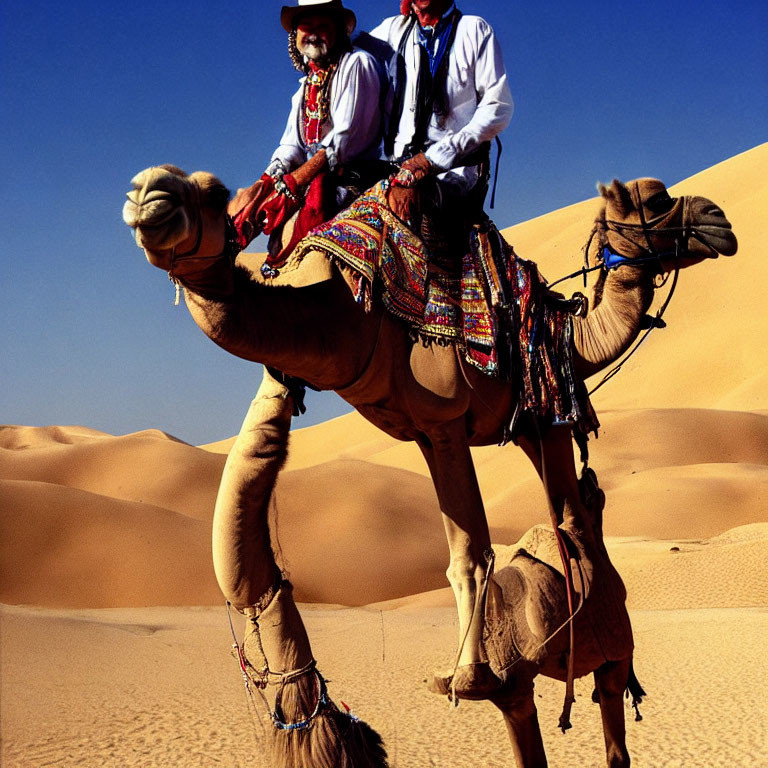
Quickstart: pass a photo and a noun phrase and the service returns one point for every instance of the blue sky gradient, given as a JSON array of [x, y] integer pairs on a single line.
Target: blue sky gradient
[[92, 94]]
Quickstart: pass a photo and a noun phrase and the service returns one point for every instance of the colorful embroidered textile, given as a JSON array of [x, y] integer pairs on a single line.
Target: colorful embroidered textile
[[496, 311], [543, 355], [369, 239]]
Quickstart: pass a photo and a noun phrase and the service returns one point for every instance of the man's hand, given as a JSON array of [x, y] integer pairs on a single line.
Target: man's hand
[[256, 193], [404, 203], [244, 208], [419, 166], [403, 197]]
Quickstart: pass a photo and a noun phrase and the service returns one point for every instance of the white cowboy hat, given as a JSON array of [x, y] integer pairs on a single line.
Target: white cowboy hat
[[330, 7]]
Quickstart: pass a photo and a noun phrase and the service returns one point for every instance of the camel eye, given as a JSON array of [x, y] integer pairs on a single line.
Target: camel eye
[[661, 202]]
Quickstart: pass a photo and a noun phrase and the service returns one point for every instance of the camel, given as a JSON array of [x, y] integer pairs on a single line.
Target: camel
[[313, 329], [525, 632]]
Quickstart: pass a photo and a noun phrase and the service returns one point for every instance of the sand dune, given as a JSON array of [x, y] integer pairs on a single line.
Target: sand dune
[[97, 531], [669, 474], [65, 547], [148, 467]]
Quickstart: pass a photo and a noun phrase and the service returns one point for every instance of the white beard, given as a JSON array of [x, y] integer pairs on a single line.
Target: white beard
[[316, 51]]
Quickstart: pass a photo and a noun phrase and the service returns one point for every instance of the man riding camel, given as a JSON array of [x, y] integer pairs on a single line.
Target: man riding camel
[[449, 100], [332, 140]]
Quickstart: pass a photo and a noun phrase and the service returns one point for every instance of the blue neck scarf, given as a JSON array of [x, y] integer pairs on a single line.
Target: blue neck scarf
[[440, 34]]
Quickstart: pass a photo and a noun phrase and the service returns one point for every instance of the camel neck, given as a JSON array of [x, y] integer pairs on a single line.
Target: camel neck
[[317, 333], [612, 325]]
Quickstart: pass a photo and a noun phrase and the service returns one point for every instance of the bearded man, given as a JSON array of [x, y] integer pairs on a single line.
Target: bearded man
[[449, 99], [330, 148]]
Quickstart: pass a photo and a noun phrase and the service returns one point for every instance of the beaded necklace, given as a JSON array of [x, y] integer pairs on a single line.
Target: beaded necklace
[[317, 98]]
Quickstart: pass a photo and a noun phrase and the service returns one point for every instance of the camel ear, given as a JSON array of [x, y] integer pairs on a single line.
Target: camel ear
[[618, 195]]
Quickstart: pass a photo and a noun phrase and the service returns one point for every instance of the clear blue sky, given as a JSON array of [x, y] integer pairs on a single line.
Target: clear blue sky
[[91, 93]]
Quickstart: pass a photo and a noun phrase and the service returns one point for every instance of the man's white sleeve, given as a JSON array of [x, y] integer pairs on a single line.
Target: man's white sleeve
[[290, 151], [355, 110], [494, 107]]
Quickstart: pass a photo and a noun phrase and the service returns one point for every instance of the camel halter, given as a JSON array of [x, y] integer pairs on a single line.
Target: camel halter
[[263, 676], [229, 251], [652, 258]]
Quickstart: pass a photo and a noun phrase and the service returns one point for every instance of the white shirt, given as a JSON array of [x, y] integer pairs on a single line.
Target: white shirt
[[354, 128], [479, 101]]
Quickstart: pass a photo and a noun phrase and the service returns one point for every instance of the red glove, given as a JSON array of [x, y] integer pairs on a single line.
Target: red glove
[[281, 205], [244, 209]]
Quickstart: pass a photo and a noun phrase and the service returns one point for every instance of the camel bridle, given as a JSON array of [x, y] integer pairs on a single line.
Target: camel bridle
[[257, 678], [229, 251], [652, 258], [648, 227], [640, 235]]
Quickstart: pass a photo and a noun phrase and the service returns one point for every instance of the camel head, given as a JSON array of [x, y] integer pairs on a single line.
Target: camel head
[[176, 216], [641, 220]]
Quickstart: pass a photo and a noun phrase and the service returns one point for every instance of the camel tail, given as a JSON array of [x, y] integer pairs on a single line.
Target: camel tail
[[636, 691]]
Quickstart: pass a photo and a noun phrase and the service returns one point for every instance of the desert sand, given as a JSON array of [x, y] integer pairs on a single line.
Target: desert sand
[[114, 641]]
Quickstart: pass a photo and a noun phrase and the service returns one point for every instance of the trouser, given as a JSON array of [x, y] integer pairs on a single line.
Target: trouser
[[447, 217]]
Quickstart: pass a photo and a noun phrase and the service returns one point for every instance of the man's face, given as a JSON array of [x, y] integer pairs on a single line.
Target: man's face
[[315, 37]]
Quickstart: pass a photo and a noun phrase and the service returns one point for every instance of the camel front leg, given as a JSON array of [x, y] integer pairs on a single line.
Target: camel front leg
[[453, 473], [242, 553], [276, 654]]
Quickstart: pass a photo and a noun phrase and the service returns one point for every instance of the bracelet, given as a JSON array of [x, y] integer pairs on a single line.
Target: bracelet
[[276, 170], [284, 189]]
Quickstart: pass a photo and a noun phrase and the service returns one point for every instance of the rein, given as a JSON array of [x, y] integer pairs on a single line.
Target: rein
[[656, 322]]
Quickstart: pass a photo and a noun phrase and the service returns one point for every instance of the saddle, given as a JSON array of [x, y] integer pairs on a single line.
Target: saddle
[[494, 307]]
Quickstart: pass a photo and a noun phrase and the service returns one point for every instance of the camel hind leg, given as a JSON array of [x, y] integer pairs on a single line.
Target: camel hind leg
[[611, 682], [522, 721]]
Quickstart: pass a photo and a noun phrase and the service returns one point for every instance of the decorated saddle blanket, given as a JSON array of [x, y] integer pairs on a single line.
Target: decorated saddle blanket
[[496, 310]]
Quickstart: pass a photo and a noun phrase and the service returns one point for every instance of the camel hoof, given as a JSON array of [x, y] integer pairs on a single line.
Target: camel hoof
[[473, 682]]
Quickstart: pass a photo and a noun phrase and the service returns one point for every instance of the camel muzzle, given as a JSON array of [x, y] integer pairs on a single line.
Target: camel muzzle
[[158, 219], [711, 227]]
